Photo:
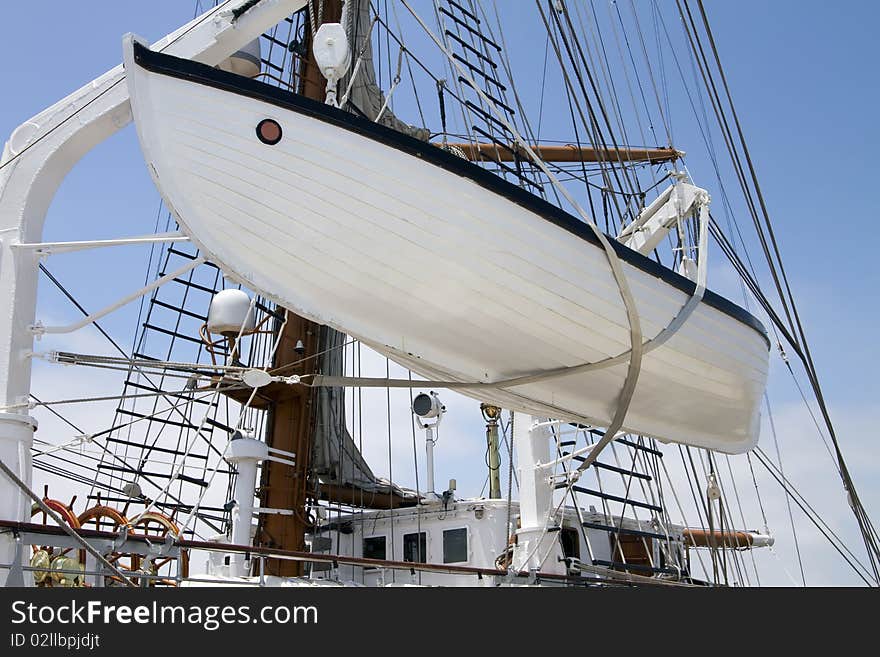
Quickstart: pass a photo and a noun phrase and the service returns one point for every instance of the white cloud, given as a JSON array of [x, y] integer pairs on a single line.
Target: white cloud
[[808, 466]]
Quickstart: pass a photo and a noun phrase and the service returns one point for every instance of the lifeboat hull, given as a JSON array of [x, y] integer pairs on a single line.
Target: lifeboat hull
[[434, 261]]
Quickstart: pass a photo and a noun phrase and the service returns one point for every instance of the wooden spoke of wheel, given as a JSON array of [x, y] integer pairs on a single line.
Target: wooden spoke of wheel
[[155, 525], [105, 518]]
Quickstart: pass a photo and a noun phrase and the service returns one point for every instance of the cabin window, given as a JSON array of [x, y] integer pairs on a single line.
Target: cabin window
[[414, 547], [455, 547], [634, 551], [374, 547], [570, 544]]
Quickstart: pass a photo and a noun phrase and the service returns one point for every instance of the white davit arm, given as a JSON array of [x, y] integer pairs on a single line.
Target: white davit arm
[[678, 202], [35, 159], [42, 150]]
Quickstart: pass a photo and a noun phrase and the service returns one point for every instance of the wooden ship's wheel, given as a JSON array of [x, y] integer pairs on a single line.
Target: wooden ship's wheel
[[156, 527], [107, 519], [50, 559]]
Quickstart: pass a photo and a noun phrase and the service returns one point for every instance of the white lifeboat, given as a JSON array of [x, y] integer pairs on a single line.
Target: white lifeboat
[[434, 261]]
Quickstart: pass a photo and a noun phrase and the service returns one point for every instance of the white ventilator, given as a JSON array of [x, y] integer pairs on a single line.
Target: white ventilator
[[245, 62]]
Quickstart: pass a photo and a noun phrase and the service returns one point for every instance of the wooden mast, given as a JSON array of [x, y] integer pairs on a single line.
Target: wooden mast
[[292, 413]]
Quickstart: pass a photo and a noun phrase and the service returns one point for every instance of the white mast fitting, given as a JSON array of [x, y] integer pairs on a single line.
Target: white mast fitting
[[36, 158], [244, 453], [537, 546], [668, 211]]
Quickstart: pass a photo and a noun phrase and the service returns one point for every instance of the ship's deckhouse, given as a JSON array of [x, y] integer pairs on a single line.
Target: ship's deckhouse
[[473, 533]]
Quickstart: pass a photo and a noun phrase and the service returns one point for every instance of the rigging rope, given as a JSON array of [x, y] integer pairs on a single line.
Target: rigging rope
[[635, 357], [797, 337], [797, 545], [814, 518]]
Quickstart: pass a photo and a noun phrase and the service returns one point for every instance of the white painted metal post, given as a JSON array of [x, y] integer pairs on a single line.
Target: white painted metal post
[[244, 454], [18, 290], [429, 456], [428, 407], [531, 444], [16, 439]]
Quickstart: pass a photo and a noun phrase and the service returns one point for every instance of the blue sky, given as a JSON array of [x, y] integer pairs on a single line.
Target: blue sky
[[805, 80]]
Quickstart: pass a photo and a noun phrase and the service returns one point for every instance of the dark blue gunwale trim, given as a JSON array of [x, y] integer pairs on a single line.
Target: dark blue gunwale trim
[[198, 73]]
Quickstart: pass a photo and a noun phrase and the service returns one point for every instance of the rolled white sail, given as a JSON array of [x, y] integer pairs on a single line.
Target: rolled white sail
[[433, 261]]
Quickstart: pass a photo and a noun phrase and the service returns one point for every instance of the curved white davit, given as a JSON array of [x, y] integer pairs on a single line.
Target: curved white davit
[[434, 261]]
